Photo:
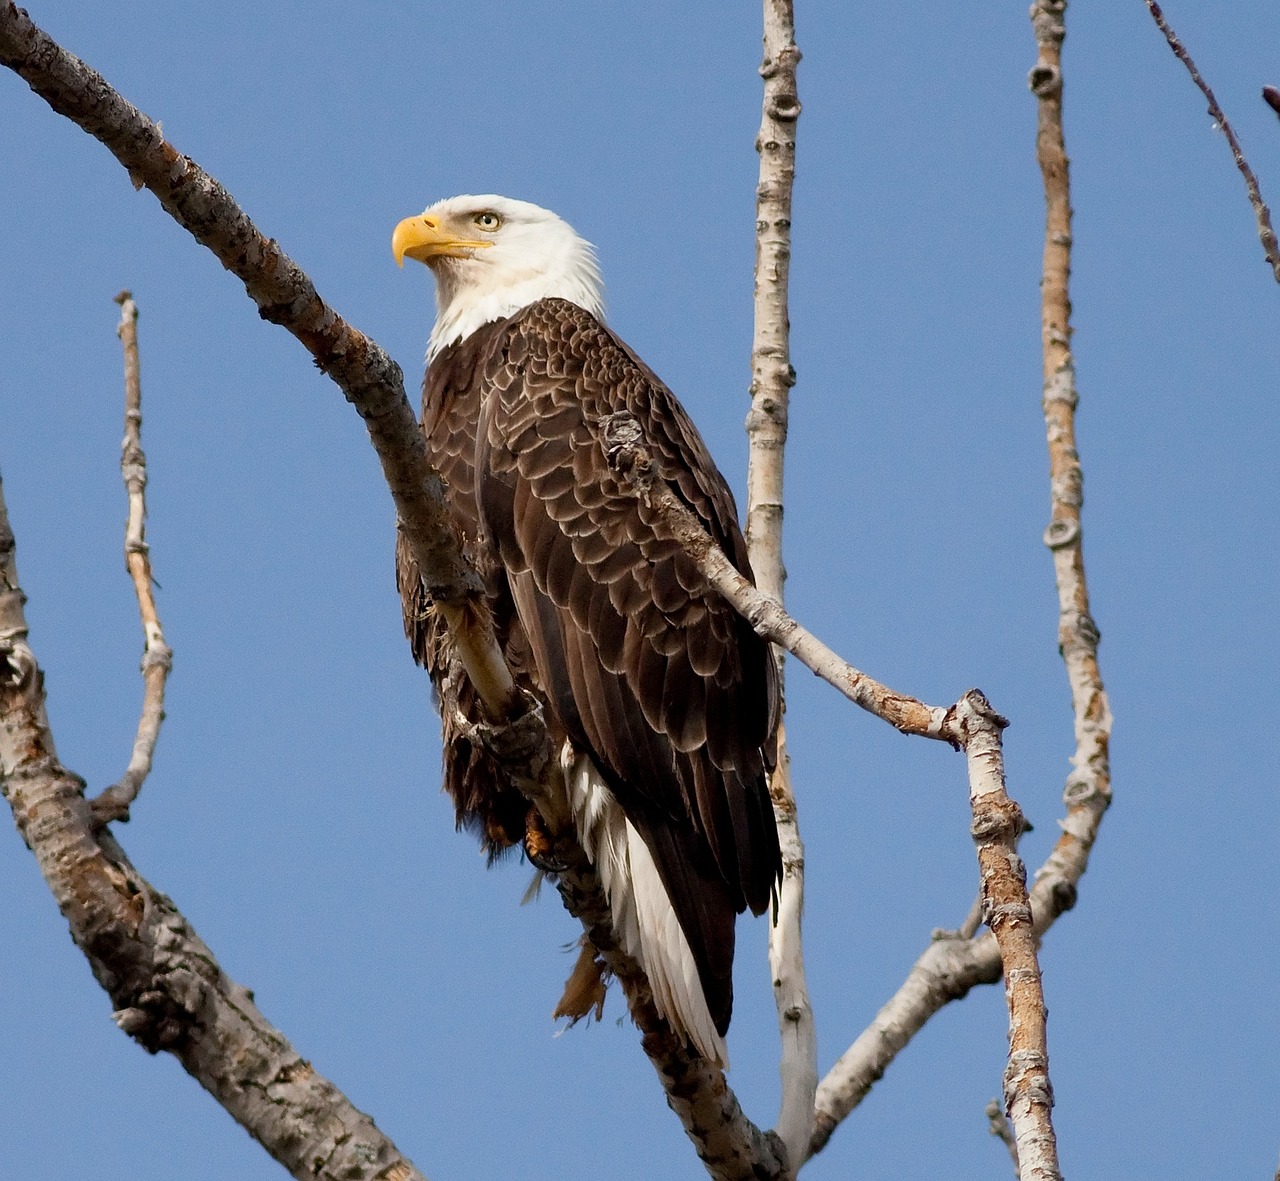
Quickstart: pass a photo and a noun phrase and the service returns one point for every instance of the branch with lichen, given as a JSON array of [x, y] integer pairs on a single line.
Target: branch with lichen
[[167, 989], [771, 380], [157, 657]]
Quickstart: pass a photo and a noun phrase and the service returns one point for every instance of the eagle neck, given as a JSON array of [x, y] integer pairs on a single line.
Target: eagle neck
[[463, 310]]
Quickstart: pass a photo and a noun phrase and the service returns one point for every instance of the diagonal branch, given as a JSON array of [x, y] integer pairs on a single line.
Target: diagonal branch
[[771, 380], [371, 380], [157, 657], [728, 1143], [1266, 234]]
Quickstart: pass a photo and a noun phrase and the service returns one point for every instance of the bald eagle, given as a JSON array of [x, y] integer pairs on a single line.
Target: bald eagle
[[661, 701]]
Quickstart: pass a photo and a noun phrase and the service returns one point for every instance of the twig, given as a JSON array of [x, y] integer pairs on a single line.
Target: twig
[[1266, 235], [1087, 793], [157, 657], [166, 988], [730, 1145], [771, 380], [997, 824], [998, 1126]]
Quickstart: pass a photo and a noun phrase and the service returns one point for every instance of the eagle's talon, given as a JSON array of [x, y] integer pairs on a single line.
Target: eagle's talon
[[539, 845]]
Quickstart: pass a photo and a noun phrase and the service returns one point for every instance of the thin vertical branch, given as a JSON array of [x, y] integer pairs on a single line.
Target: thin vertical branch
[[1266, 234], [997, 825], [771, 380], [157, 657], [1087, 794], [998, 1126]]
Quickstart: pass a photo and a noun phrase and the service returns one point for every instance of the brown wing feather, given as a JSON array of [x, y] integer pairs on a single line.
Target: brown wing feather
[[483, 799], [643, 664]]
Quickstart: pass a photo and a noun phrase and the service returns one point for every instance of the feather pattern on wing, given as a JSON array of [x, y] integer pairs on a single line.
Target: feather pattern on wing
[[664, 694]]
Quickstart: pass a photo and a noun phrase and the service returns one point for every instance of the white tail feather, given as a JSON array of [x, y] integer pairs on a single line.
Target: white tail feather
[[643, 918]]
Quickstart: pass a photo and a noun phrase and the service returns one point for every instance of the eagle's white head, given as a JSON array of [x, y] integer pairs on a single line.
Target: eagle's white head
[[492, 256]]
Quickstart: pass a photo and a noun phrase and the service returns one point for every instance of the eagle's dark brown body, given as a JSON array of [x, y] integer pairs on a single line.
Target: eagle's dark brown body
[[640, 663]]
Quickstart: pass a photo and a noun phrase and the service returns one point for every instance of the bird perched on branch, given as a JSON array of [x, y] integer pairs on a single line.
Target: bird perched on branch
[[661, 700]]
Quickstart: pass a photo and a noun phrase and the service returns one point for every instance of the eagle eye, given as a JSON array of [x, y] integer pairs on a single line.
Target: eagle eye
[[488, 220]]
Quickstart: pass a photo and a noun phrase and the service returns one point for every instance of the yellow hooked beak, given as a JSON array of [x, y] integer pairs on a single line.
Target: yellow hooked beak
[[423, 237]]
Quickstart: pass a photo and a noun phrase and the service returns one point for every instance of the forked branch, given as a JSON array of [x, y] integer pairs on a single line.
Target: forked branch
[[166, 987]]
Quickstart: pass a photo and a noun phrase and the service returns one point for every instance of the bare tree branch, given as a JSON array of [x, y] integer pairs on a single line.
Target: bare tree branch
[[370, 379], [157, 657], [167, 989], [950, 966], [997, 824], [1266, 235], [998, 1126], [771, 379], [1087, 793]]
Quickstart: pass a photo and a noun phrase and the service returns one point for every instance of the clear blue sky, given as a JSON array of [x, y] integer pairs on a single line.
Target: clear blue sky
[[294, 813]]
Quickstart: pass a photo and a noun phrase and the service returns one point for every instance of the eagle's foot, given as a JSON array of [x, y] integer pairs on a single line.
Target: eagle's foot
[[539, 844]]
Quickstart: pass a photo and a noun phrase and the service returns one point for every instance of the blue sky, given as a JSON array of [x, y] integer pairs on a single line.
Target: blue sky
[[294, 813]]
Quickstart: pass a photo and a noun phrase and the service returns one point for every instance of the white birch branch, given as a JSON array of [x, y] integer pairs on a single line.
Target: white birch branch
[[1087, 794], [157, 657], [771, 380]]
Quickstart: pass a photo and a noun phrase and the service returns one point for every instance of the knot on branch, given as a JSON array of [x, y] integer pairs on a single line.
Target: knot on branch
[[521, 745], [999, 820], [788, 58], [1061, 533], [1045, 80], [624, 448], [785, 108], [20, 671], [1082, 632], [1068, 488], [1006, 912], [1047, 22], [1027, 1075], [156, 1020], [1063, 896], [1079, 790], [1061, 387]]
